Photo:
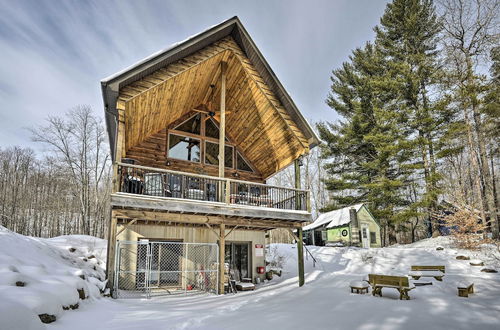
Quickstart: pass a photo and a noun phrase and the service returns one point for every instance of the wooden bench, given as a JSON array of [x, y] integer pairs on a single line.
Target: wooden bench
[[464, 289], [359, 286], [400, 283], [427, 271]]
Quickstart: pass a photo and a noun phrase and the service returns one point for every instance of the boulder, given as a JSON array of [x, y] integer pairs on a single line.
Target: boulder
[[489, 270], [439, 248], [47, 318], [74, 306], [72, 250], [81, 294], [461, 257], [476, 262], [20, 283]]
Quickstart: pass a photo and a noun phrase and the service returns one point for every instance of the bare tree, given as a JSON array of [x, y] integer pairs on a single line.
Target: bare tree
[[77, 144], [471, 30]]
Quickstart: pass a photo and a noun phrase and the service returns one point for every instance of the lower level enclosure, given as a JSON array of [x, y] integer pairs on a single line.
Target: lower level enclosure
[[167, 260]]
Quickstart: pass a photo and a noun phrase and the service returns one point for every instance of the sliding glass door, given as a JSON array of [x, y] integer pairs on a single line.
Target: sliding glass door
[[238, 257]]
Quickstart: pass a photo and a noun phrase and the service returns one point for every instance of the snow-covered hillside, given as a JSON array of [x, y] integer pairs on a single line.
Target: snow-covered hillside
[[42, 278], [325, 302]]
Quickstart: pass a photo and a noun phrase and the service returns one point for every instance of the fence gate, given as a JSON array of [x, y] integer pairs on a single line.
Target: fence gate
[[147, 268]]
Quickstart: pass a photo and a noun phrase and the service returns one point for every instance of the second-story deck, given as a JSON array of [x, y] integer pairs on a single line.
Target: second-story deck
[[145, 189]]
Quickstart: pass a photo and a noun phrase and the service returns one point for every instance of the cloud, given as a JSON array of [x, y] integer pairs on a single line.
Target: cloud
[[54, 53]]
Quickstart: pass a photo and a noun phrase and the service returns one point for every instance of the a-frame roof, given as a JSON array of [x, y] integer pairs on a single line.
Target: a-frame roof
[[113, 85]]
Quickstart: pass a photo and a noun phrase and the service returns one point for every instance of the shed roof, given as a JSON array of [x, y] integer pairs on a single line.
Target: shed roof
[[112, 85], [334, 218]]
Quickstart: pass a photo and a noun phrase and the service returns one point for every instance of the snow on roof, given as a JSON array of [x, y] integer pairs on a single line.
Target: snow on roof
[[154, 55], [334, 218]]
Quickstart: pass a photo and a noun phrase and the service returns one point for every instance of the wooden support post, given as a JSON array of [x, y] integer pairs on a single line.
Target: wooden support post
[[222, 124], [300, 243], [296, 164], [222, 253], [119, 154], [110, 260], [300, 256], [228, 192]]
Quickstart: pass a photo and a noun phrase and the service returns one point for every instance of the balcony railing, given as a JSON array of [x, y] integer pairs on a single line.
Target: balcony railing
[[151, 181]]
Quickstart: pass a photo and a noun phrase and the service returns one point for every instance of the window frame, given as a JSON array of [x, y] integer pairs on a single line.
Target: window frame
[[203, 139], [190, 136], [225, 145]]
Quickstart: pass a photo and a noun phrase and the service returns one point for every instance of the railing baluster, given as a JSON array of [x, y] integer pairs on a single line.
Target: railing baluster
[[145, 180]]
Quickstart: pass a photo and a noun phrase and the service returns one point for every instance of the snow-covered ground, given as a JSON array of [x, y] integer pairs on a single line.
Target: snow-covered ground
[[325, 302], [42, 276]]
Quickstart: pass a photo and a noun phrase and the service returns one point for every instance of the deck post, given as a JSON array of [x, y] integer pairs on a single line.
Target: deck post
[[300, 256], [110, 260], [222, 253], [300, 243]]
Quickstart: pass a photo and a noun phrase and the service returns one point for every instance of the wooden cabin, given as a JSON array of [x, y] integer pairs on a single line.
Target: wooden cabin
[[349, 226], [195, 131]]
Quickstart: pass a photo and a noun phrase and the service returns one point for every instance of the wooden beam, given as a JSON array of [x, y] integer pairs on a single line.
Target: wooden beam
[[110, 260], [296, 164], [215, 233], [222, 254], [230, 231], [202, 219], [300, 256], [125, 226], [222, 123]]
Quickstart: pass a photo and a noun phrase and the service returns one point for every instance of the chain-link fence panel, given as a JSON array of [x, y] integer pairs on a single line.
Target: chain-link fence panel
[[149, 268]]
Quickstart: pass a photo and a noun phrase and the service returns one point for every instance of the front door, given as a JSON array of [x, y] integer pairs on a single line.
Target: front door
[[365, 237], [237, 255]]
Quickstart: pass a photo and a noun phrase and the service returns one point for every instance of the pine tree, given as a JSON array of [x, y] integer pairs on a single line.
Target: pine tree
[[367, 150], [407, 38], [396, 120]]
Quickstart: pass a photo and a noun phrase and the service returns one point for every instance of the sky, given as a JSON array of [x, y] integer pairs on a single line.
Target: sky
[[54, 53]]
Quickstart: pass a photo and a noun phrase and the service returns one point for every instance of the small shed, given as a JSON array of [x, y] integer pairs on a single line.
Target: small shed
[[352, 225]]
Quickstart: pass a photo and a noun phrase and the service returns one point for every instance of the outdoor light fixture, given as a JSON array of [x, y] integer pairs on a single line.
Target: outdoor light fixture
[[167, 163], [301, 161], [236, 174]]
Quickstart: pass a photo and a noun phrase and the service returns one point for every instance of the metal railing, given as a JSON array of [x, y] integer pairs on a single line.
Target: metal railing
[[151, 181], [151, 268]]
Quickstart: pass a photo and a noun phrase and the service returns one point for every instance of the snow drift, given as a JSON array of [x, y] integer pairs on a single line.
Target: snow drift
[[40, 278]]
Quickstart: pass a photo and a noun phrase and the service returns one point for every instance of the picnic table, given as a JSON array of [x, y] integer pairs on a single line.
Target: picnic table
[[427, 271]]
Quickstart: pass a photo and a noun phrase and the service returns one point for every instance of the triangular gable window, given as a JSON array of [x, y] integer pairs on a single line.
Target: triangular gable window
[[241, 163], [192, 125], [211, 129]]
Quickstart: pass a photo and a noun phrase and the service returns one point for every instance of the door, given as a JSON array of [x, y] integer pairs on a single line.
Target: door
[[365, 237], [163, 261], [237, 255]]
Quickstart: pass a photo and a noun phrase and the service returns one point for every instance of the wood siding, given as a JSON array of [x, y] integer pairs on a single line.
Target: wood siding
[[256, 121]]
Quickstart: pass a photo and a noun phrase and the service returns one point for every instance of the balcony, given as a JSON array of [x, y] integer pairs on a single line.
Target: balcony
[[181, 192]]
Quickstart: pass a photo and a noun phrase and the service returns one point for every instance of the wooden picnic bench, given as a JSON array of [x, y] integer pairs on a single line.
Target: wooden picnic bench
[[464, 289], [427, 271], [400, 283]]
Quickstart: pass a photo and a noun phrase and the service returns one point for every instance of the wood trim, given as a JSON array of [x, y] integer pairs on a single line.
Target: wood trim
[[163, 216]]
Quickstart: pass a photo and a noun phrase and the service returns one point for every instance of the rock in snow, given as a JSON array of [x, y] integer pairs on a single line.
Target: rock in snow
[[38, 277]]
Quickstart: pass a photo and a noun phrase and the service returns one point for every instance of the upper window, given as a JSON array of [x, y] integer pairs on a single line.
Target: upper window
[[192, 125], [212, 153], [241, 163], [185, 147], [182, 147], [211, 129]]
